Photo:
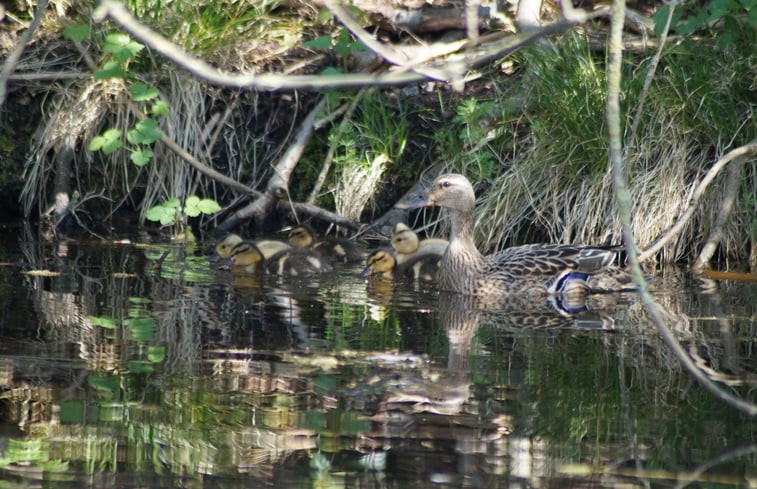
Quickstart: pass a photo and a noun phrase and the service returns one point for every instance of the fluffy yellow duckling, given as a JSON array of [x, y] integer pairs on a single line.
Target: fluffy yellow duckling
[[335, 250], [407, 245], [228, 245], [383, 263], [291, 262]]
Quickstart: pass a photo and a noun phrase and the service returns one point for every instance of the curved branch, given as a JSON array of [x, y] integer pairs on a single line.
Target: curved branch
[[668, 234], [117, 12]]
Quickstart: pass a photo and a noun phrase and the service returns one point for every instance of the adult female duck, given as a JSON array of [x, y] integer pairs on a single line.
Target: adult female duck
[[536, 269]]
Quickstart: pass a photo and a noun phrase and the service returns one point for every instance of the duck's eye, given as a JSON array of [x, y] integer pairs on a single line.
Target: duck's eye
[[446, 183]]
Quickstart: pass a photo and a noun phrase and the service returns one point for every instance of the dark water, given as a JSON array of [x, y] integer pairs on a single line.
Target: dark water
[[114, 373]]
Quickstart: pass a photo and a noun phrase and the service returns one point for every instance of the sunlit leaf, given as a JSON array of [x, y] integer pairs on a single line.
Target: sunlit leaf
[[160, 107], [78, 32], [146, 131], [194, 206], [165, 215], [111, 69], [141, 92], [104, 384], [142, 157]]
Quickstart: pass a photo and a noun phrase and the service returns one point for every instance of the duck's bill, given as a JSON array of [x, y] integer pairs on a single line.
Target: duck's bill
[[366, 272], [415, 202]]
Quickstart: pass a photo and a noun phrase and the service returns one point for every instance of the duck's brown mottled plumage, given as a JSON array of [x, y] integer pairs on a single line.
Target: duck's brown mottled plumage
[[524, 270]]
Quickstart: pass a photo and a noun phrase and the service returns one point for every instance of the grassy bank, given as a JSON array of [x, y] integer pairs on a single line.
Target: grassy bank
[[529, 129]]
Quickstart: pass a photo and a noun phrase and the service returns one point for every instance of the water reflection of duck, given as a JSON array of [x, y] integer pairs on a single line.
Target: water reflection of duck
[[407, 245], [385, 264], [333, 249], [536, 269]]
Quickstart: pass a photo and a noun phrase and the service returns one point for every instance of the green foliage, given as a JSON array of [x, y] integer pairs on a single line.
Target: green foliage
[[171, 212], [344, 44], [730, 22]]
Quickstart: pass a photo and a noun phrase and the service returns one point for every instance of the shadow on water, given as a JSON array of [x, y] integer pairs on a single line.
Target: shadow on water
[[116, 373]]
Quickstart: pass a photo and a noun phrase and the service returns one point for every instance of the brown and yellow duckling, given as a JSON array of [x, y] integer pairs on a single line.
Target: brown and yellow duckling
[[407, 245], [333, 249], [537, 269], [383, 263], [292, 262], [233, 242]]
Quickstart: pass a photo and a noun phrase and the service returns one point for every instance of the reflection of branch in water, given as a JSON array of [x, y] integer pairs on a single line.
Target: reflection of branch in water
[[723, 457]]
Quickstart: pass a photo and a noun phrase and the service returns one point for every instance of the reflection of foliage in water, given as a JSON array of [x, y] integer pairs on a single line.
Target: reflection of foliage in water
[[154, 374]]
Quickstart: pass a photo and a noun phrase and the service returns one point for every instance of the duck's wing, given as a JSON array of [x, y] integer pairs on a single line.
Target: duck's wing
[[541, 261]]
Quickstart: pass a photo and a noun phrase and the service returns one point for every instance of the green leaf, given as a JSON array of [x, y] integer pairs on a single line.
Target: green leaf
[[78, 32], [173, 203], [208, 206], [194, 206], [144, 132], [323, 42], [142, 157], [107, 142], [111, 69], [121, 47], [160, 108], [165, 215], [190, 206], [141, 92]]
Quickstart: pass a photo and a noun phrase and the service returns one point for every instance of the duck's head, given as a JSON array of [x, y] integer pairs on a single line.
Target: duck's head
[[224, 247], [379, 263], [451, 191], [246, 256], [301, 237], [404, 240]]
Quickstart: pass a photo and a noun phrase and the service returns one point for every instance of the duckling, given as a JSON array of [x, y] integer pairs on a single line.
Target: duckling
[[383, 263], [227, 246], [336, 250], [247, 257], [406, 243], [297, 262], [536, 269]]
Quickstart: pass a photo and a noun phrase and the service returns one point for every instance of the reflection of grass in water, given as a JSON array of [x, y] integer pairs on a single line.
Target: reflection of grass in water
[[181, 264]]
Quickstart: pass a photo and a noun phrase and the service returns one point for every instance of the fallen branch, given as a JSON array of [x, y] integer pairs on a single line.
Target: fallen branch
[[278, 184]]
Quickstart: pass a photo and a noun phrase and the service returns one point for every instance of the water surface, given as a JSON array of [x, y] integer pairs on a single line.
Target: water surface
[[117, 373]]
